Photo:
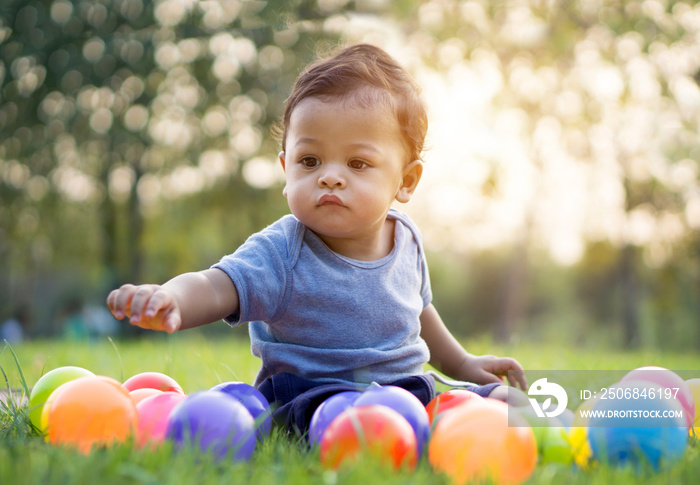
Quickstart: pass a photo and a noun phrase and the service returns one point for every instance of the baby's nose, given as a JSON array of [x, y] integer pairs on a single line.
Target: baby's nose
[[331, 178]]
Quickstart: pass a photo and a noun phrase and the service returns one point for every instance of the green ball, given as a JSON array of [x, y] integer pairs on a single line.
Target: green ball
[[556, 446], [553, 444], [46, 385]]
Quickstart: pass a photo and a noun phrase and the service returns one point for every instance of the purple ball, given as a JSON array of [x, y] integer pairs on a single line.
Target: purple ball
[[403, 402], [327, 411], [213, 422], [254, 402]]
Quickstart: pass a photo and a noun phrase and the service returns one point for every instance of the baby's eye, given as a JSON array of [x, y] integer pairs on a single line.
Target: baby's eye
[[357, 164], [309, 162]]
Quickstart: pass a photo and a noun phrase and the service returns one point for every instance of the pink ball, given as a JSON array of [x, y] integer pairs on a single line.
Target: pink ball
[[154, 413], [666, 379]]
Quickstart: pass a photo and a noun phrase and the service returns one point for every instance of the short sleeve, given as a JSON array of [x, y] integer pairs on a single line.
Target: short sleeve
[[260, 271], [426, 291], [425, 288]]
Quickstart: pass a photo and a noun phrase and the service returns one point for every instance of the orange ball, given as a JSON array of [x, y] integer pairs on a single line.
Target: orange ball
[[89, 411], [479, 442], [376, 431], [448, 400]]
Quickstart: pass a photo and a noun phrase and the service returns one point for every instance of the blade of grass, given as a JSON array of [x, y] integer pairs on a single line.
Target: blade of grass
[[3, 403], [20, 422], [19, 369], [119, 356], [11, 407], [228, 368]]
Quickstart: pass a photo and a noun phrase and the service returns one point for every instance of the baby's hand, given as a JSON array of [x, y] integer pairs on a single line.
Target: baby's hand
[[147, 306], [486, 369]]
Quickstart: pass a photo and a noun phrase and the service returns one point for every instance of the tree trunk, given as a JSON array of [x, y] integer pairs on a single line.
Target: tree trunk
[[514, 295], [630, 298]]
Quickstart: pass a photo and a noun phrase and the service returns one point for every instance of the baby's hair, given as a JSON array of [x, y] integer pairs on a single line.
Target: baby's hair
[[364, 74]]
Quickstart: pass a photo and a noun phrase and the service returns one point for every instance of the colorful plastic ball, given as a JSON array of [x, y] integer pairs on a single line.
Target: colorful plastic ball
[[153, 380], [662, 379], [694, 386], [578, 433], [213, 422], [89, 411], [254, 402], [154, 414], [553, 445], [327, 412], [48, 383], [138, 395], [369, 432], [481, 442], [449, 399], [403, 402], [629, 431]]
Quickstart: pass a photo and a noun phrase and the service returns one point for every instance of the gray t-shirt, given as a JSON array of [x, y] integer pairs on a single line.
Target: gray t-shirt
[[326, 317]]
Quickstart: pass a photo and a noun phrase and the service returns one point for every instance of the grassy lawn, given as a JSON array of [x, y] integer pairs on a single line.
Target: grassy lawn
[[198, 363]]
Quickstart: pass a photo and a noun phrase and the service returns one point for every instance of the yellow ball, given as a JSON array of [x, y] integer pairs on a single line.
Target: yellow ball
[[578, 434], [694, 385]]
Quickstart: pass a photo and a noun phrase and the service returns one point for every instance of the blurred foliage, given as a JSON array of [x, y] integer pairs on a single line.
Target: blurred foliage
[[591, 88], [136, 144], [126, 128]]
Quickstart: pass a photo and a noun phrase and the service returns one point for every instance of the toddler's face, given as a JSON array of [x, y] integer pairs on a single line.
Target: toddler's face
[[344, 165]]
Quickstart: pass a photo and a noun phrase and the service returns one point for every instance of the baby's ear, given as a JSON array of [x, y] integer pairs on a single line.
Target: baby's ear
[[411, 176], [284, 167]]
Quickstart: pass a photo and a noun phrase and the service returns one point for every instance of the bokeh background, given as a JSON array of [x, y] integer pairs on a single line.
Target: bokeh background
[[560, 200]]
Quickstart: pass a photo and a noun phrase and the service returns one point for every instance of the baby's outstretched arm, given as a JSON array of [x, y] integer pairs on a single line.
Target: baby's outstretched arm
[[186, 301], [449, 357]]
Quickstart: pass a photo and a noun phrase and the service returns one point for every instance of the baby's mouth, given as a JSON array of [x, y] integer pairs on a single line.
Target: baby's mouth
[[330, 199]]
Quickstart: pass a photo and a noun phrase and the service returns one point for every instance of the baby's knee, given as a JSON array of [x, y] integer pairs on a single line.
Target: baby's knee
[[510, 395]]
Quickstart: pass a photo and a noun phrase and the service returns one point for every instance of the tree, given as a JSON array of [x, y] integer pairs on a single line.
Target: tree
[[605, 92], [115, 112]]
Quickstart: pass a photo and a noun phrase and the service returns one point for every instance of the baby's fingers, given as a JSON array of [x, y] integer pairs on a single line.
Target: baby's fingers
[[140, 301], [173, 321], [119, 301], [517, 378], [159, 313]]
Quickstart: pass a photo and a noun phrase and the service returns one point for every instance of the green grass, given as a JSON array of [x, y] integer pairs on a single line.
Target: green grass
[[198, 363]]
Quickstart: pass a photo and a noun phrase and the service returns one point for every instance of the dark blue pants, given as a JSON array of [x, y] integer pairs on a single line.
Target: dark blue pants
[[294, 399]]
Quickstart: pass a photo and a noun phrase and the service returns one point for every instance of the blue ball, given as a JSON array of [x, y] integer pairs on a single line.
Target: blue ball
[[403, 402], [327, 412], [637, 431], [213, 422], [254, 402]]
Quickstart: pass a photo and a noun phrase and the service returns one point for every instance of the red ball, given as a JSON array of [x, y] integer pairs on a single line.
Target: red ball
[[448, 400], [153, 380], [374, 431]]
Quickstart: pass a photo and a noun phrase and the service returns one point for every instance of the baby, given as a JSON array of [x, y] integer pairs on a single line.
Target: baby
[[337, 294]]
